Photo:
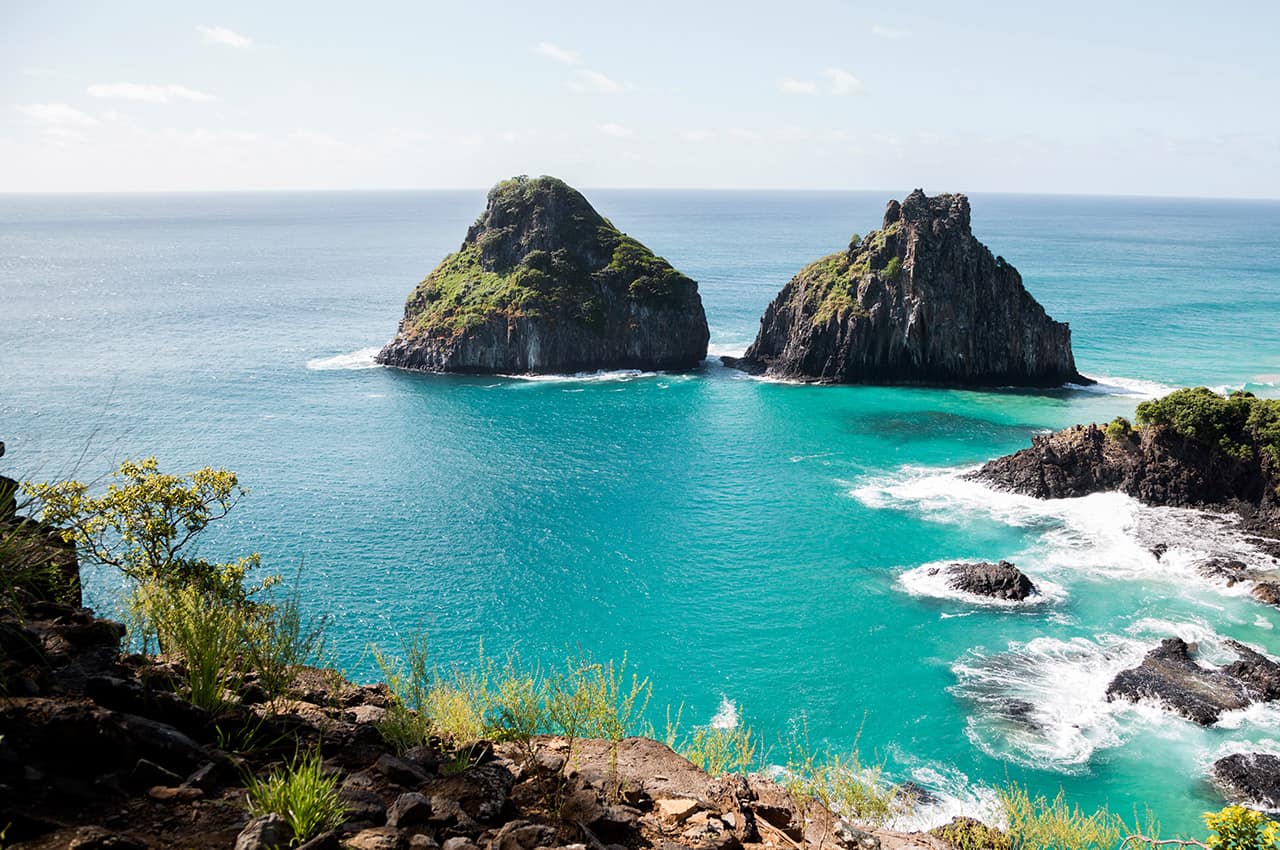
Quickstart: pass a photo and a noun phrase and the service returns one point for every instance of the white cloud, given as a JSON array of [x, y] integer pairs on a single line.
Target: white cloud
[[697, 135], [790, 85], [890, 33], [224, 36], [148, 93], [559, 54], [616, 130], [593, 81], [842, 82], [57, 114]]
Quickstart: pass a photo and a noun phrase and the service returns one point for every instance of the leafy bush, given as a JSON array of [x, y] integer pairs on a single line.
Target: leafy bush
[[302, 793], [145, 522], [892, 269], [1119, 429], [1238, 828], [1204, 416], [969, 834]]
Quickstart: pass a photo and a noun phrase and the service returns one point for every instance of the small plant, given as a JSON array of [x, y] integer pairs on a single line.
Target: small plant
[[1038, 823], [892, 269], [840, 783], [407, 723], [721, 749], [1119, 429], [203, 632], [1238, 828], [302, 793], [969, 834]]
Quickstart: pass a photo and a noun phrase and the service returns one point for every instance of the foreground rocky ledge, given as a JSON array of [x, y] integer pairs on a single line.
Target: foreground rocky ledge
[[544, 283], [919, 301], [98, 752]]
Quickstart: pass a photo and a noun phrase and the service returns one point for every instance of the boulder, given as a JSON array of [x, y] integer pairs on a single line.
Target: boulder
[[999, 581], [266, 832], [919, 301], [1252, 779], [1169, 676], [544, 283]]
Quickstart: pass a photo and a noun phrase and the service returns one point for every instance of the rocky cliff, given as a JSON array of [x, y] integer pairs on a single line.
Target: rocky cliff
[[918, 301], [1193, 448], [544, 283]]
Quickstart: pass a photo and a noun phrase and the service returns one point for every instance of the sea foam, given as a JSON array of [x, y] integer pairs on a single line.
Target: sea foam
[[360, 359]]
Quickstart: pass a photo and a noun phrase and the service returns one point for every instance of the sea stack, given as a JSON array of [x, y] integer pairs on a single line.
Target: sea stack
[[544, 283], [920, 301]]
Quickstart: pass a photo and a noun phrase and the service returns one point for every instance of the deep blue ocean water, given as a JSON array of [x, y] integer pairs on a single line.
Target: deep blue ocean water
[[750, 543]]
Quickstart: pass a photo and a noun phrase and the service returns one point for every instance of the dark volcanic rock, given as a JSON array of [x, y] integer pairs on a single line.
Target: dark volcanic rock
[[918, 301], [1169, 676], [1157, 465], [1249, 778], [544, 283], [999, 581]]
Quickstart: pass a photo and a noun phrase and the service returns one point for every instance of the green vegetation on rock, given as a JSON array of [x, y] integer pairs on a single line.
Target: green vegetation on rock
[[504, 272], [1119, 429], [1233, 424]]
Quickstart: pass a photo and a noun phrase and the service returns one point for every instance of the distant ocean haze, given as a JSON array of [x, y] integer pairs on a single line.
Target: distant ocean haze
[[745, 542]]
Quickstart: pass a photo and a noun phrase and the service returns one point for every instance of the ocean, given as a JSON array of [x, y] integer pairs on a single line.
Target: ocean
[[756, 548]]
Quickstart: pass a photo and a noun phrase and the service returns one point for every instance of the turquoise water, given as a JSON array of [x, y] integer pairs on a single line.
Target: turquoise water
[[744, 541]]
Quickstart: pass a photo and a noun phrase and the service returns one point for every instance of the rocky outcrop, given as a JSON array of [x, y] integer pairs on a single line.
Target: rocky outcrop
[[1251, 779], [919, 301], [1176, 460], [999, 581], [99, 752], [544, 283], [1169, 676]]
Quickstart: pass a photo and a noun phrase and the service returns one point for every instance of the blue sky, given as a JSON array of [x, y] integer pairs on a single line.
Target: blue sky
[[1169, 98]]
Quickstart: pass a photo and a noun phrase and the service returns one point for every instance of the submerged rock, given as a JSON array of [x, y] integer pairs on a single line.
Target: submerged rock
[[1249, 778], [544, 283], [999, 581], [1169, 676], [918, 301]]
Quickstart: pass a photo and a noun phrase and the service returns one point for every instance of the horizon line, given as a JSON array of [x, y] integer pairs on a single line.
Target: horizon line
[[744, 189]]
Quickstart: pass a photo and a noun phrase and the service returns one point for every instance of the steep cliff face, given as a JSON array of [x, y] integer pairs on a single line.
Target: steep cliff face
[[918, 301], [544, 283]]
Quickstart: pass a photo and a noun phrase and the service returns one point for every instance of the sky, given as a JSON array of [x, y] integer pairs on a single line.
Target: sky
[[1127, 98]]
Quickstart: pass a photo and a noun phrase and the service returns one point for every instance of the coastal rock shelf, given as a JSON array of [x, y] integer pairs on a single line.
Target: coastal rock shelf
[[544, 284], [1197, 449], [920, 301], [1169, 676]]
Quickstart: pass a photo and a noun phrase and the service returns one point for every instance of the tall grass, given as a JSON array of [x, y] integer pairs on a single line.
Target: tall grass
[[840, 782], [302, 793], [221, 640], [1036, 822]]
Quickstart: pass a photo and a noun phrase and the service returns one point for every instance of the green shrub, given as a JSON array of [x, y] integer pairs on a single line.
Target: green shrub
[[146, 521], [1238, 828], [302, 793], [1202, 415], [1119, 429], [969, 834], [892, 269]]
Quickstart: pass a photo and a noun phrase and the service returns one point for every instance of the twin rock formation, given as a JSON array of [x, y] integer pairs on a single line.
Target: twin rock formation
[[544, 283]]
